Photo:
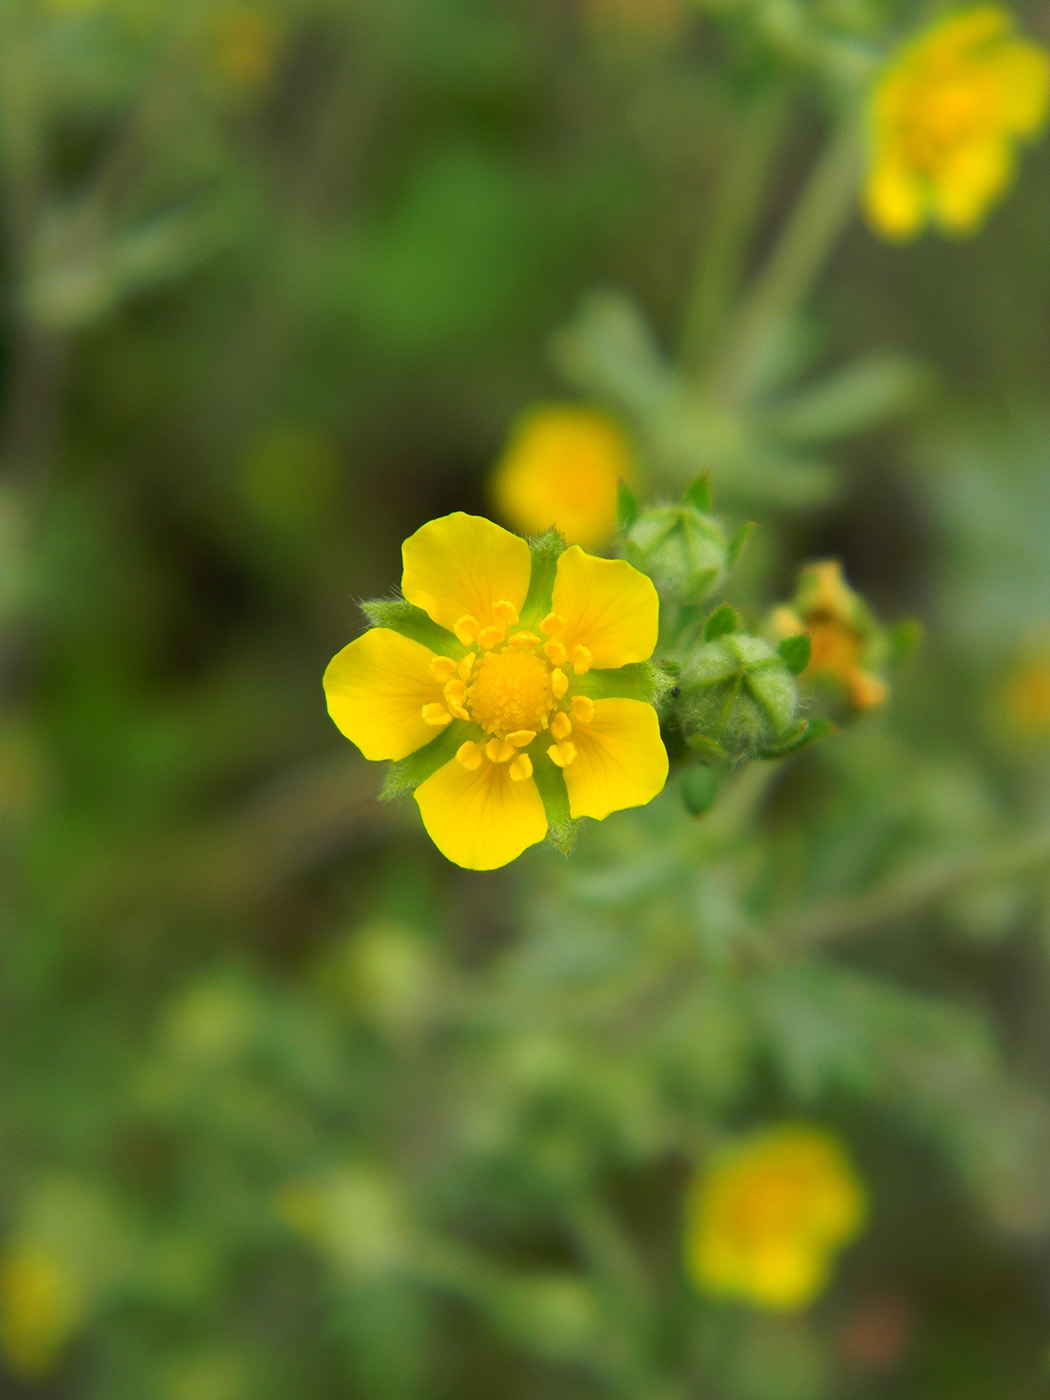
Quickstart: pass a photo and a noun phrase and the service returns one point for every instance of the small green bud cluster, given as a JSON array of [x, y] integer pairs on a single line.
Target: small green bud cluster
[[683, 548]]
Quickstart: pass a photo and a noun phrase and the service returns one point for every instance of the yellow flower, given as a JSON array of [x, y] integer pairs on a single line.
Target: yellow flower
[[41, 1307], [245, 47], [1025, 697], [944, 120], [841, 633], [768, 1215], [561, 467], [514, 701]]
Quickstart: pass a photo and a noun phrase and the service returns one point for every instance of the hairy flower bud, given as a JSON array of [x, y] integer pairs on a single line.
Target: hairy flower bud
[[737, 696], [683, 550]]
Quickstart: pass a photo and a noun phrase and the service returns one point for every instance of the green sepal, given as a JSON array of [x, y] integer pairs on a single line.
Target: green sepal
[[705, 746], [402, 616], [699, 788], [799, 736], [626, 506], [546, 550], [739, 540], [551, 783], [698, 494], [407, 773], [796, 651], [904, 640], [722, 621], [640, 680]]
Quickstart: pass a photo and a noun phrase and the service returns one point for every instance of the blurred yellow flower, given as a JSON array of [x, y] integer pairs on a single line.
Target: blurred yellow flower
[[507, 676], [41, 1307], [1025, 697], [561, 467], [769, 1213], [944, 119], [245, 47], [840, 631]]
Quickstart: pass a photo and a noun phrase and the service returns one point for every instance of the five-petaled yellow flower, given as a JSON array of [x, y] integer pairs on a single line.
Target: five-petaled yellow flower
[[509, 688], [945, 118], [561, 467], [768, 1215]]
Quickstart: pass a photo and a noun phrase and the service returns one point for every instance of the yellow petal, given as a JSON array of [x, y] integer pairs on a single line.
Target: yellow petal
[[481, 819], [894, 199], [607, 606], [1021, 73], [620, 759], [377, 687], [462, 566], [970, 182]]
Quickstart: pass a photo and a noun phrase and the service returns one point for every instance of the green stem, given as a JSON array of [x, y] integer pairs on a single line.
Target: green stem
[[723, 251], [848, 916], [813, 227]]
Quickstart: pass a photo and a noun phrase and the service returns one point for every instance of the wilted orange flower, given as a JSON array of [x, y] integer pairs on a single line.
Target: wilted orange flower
[[514, 689], [768, 1215], [841, 632], [1026, 696], [561, 467], [945, 118]]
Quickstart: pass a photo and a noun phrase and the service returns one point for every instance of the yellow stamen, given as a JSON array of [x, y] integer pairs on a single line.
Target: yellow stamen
[[521, 737], [581, 660], [521, 768], [492, 635], [499, 750], [470, 755], [466, 629], [511, 692], [436, 715], [442, 669], [559, 683], [552, 624], [555, 652], [505, 612], [467, 665], [523, 640], [456, 698], [582, 709], [561, 725], [562, 754]]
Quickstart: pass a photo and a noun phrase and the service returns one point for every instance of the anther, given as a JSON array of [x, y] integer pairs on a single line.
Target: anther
[[521, 737], [582, 709], [559, 683], [581, 660], [505, 612], [492, 635], [442, 669], [521, 768], [467, 665], [436, 715], [466, 629], [552, 624], [456, 698], [499, 750], [555, 652], [521, 641], [561, 725], [562, 754], [470, 756]]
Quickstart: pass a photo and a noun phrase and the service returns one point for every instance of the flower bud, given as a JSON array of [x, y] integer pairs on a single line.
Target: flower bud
[[737, 696], [683, 550]]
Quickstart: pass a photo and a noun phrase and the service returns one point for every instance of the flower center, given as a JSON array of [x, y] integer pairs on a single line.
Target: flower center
[[944, 116], [511, 691]]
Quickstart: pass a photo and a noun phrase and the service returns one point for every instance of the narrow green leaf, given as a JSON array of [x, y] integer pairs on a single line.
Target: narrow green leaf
[[739, 540], [722, 621], [641, 680], [796, 651], [546, 550]]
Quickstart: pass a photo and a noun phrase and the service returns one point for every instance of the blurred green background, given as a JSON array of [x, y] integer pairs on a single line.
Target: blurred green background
[[291, 1106]]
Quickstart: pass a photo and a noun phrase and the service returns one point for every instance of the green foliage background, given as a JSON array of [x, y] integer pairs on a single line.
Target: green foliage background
[[298, 1107]]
